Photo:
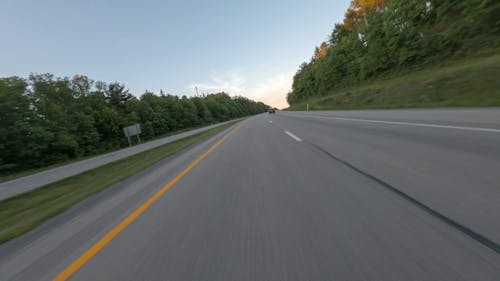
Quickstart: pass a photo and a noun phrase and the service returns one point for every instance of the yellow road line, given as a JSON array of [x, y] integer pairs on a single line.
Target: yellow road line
[[92, 251]]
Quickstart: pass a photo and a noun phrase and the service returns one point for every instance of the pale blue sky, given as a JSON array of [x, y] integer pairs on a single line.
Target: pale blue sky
[[250, 48]]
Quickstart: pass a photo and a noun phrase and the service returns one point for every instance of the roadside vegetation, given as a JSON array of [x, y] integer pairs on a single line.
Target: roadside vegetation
[[398, 53], [472, 82], [24, 173], [46, 120], [24, 212]]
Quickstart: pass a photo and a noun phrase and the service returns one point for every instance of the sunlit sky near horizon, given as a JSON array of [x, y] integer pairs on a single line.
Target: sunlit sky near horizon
[[249, 48]]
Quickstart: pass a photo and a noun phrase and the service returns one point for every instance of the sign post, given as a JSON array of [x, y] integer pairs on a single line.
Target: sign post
[[134, 130]]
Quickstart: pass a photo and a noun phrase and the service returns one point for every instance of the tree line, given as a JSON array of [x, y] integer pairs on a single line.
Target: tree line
[[380, 37], [46, 120]]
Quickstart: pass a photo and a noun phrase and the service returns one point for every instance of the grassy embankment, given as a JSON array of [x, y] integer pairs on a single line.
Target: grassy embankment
[[24, 212], [466, 83]]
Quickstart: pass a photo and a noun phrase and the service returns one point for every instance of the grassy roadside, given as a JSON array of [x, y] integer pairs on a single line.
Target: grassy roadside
[[4, 178], [24, 212], [465, 83]]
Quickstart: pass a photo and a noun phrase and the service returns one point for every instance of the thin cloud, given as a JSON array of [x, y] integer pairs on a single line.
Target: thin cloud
[[231, 82], [272, 91]]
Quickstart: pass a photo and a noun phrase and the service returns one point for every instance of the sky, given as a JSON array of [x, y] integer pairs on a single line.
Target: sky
[[249, 48]]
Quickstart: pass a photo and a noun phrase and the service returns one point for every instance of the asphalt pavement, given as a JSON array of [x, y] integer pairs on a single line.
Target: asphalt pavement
[[341, 195]]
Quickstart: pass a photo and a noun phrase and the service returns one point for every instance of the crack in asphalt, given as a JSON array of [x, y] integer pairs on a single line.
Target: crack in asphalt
[[492, 245]]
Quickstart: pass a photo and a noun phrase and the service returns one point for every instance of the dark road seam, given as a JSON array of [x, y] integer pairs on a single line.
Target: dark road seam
[[458, 226]]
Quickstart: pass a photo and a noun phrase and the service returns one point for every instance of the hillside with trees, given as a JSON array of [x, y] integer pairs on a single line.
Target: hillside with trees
[[381, 39], [46, 120]]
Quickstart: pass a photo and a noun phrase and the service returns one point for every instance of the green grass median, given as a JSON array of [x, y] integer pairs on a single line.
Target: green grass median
[[24, 212]]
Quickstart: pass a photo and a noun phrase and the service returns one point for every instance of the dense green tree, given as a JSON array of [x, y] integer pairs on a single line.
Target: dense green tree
[[15, 118], [117, 95], [46, 119], [379, 37]]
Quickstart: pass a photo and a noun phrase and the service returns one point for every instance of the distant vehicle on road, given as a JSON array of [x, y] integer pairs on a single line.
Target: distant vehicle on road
[[271, 110]]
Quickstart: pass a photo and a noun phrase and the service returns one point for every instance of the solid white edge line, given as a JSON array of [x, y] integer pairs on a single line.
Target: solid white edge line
[[293, 136], [408, 124]]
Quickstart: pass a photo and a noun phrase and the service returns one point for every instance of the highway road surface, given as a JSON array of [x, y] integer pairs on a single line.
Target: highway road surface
[[27, 183], [343, 195]]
